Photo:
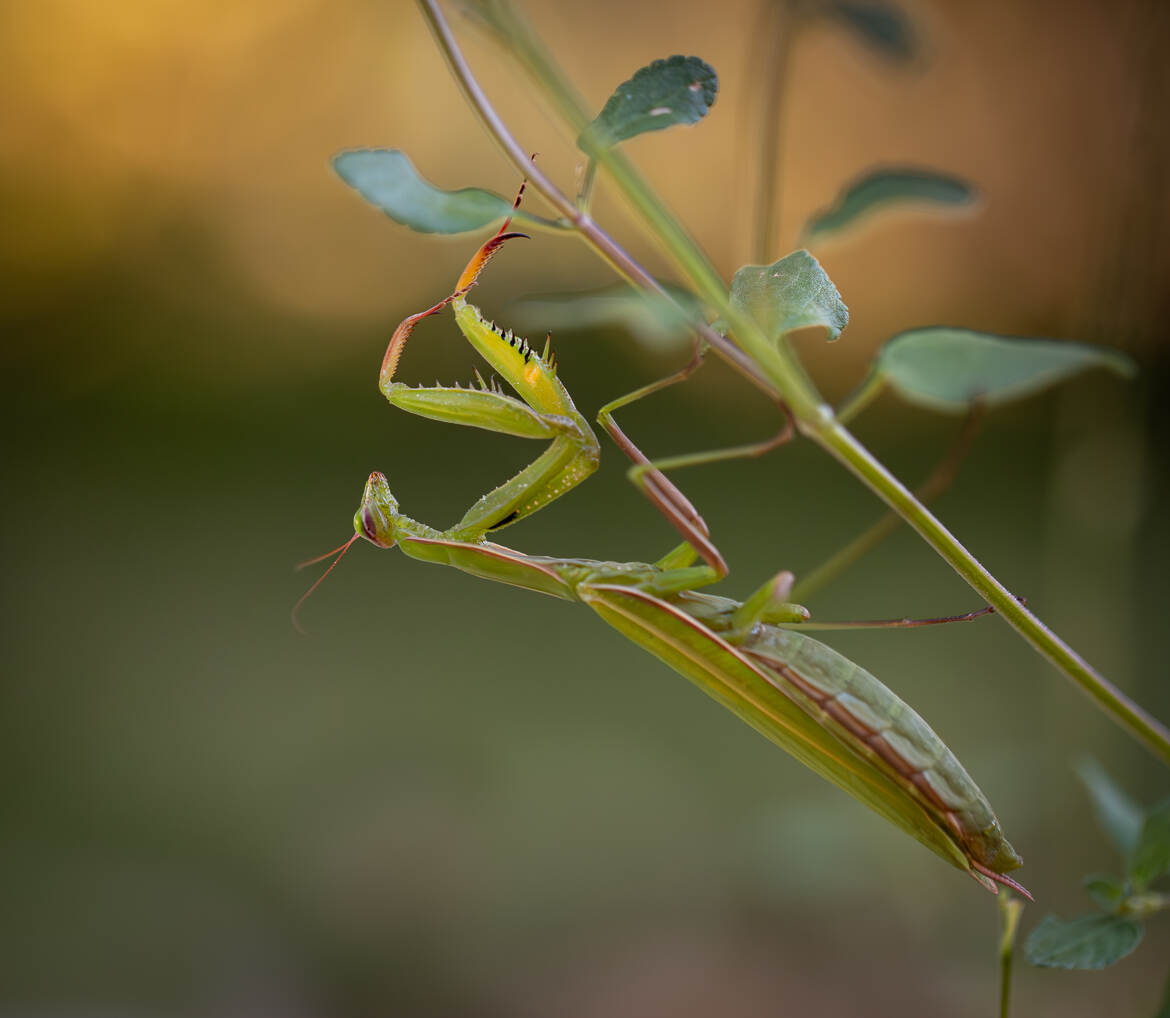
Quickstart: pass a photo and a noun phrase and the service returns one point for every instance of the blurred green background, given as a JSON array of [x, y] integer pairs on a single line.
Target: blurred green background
[[456, 798]]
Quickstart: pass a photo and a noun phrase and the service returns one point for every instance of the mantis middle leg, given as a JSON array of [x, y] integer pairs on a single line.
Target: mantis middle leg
[[647, 475]]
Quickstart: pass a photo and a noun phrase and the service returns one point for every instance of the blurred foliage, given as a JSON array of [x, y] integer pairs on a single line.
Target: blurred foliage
[[888, 187], [205, 813], [1142, 837], [664, 93]]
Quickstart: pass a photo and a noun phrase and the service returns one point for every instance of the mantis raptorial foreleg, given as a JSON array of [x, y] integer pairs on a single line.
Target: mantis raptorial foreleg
[[543, 411]]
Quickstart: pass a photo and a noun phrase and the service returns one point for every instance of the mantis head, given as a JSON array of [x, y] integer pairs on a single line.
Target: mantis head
[[376, 521], [377, 516]]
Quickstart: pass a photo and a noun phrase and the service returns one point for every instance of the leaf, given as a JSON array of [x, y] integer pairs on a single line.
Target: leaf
[[1087, 942], [1106, 891], [652, 320], [793, 293], [387, 178], [950, 369], [882, 187], [1151, 855], [1117, 814], [882, 26], [677, 90]]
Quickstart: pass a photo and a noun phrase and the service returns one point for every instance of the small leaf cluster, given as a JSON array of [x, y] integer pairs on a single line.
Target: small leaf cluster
[[1099, 939], [940, 368], [677, 90]]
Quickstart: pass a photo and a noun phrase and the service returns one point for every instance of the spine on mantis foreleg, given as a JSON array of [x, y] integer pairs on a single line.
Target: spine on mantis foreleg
[[544, 409]]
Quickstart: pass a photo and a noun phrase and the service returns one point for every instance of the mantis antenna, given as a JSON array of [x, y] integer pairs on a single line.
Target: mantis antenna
[[339, 551]]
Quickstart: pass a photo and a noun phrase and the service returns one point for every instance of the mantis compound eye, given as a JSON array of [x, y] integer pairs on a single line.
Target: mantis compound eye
[[372, 525]]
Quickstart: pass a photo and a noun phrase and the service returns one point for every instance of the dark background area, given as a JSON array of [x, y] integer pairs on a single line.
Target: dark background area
[[456, 798]]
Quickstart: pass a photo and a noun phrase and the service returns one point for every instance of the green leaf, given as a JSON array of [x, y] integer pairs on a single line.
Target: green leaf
[[1106, 891], [677, 90], [950, 369], [793, 293], [654, 321], [1117, 814], [1151, 855], [1087, 942], [881, 26], [879, 188], [387, 178]]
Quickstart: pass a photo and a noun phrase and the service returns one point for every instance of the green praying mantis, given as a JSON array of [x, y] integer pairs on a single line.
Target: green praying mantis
[[819, 706]]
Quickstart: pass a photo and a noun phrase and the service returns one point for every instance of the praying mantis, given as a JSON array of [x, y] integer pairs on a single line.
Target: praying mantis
[[819, 706]]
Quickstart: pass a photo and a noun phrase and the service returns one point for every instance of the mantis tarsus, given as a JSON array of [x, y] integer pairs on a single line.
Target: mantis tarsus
[[822, 708]]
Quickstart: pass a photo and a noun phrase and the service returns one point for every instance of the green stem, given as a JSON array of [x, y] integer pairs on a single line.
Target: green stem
[[862, 396], [787, 377], [1010, 908], [773, 367], [612, 252], [1147, 729]]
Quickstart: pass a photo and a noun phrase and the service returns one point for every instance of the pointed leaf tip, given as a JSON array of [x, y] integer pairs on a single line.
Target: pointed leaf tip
[[387, 178], [677, 90], [950, 369]]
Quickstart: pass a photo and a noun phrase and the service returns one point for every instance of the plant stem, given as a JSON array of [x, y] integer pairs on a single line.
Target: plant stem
[[1010, 908], [774, 368], [862, 396], [612, 252], [1147, 729]]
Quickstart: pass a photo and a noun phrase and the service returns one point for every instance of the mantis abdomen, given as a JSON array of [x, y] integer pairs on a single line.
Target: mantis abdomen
[[830, 713], [878, 719]]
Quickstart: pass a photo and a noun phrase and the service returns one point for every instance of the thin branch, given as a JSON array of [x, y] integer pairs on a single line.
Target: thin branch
[[613, 253], [1010, 908]]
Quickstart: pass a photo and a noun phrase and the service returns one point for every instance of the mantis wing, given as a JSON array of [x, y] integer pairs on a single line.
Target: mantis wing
[[754, 693]]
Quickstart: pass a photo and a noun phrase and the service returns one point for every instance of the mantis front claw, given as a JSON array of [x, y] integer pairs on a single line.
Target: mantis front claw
[[544, 409]]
